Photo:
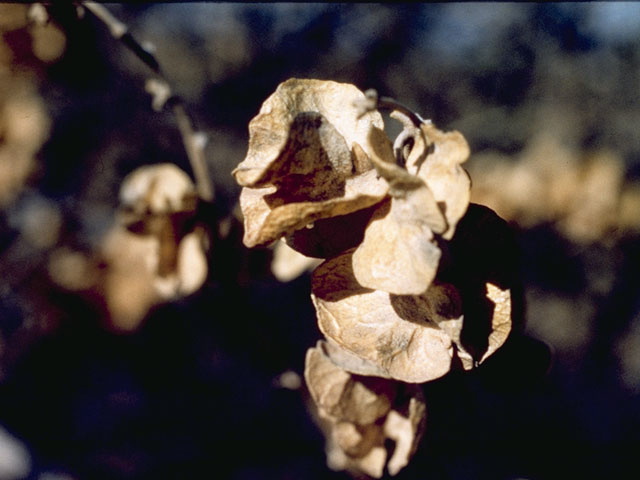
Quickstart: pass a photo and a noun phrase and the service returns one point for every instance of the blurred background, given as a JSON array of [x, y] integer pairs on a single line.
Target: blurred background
[[102, 377]]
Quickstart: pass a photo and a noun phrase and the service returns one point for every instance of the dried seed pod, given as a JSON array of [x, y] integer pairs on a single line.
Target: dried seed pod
[[159, 201], [340, 396], [358, 414], [268, 215], [404, 345], [274, 127], [435, 156], [307, 160]]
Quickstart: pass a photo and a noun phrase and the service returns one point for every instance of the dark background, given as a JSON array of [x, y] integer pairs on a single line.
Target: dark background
[[191, 389]]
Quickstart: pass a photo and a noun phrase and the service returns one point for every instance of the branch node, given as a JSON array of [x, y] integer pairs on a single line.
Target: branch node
[[160, 92]]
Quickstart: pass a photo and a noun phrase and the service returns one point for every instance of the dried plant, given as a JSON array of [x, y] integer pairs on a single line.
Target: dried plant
[[159, 201], [24, 120], [415, 282]]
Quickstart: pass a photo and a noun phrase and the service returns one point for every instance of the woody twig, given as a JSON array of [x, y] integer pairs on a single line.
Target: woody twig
[[159, 87]]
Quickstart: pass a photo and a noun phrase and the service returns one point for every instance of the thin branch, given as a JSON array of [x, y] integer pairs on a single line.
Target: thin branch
[[372, 101], [194, 141]]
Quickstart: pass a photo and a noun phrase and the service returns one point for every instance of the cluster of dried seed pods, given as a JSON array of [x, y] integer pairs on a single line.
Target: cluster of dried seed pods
[[415, 280]]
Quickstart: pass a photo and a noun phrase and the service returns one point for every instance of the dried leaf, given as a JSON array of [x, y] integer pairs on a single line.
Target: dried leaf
[[406, 432], [339, 396], [268, 215], [270, 130], [501, 319], [396, 412], [306, 161], [445, 308], [405, 346], [485, 272], [398, 254], [436, 157]]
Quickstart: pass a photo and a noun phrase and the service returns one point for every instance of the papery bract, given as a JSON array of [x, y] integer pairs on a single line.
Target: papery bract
[[305, 160], [359, 413], [405, 346]]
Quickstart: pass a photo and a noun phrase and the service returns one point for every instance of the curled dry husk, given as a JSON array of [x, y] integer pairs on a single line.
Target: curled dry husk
[[301, 165], [359, 413], [398, 253]]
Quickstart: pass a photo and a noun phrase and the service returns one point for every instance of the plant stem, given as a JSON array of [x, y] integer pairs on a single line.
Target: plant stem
[[193, 140]]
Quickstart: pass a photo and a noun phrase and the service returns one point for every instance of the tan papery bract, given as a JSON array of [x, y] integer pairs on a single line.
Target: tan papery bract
[[340, 396], [307, 160], [445, 308], [349, 361], [397, 254], [159, 202], [501, 321], [436, 157], [364, 322], [267, 215], [406, 432], [269, 131], [359, 413]]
